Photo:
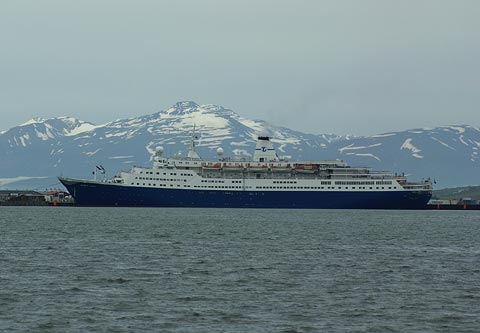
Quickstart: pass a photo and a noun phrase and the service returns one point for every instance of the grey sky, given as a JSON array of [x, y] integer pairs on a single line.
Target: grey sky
[[358, 67]]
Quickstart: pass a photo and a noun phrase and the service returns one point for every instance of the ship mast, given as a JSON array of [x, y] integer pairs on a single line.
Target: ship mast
[[191, 150]]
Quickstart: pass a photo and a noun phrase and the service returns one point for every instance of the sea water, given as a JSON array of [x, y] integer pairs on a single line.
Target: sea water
[[65, 269]]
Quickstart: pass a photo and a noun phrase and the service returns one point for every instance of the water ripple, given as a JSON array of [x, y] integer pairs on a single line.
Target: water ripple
[[214, 270]]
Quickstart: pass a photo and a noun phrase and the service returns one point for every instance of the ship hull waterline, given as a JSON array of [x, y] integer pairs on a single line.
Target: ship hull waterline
[[101, 194]]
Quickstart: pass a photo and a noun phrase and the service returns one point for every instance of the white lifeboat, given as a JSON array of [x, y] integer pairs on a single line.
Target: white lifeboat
[[306, 168], [277, 167], [212, 166], [257, 167], [235, 167]]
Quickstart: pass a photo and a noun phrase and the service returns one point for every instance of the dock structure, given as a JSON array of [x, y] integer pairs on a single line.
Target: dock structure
[[35, 198], [454, 204]]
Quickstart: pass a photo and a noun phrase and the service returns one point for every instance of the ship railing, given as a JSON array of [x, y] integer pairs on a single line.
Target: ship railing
[[360, 175], [417, 186], [321, 164]]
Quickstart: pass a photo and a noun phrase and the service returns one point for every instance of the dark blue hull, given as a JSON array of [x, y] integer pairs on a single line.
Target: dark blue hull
[[103, 194]]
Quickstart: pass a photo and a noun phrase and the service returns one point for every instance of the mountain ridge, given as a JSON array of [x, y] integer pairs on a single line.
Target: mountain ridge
[[69, 146]]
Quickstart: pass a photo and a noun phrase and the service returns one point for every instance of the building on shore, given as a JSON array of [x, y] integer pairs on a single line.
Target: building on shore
[[34, 198]]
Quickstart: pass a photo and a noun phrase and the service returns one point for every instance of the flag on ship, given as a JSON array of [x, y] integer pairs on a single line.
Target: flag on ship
[[101, 169]]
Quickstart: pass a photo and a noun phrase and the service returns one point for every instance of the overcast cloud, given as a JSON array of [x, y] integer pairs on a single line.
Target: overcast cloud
[[345, 67]]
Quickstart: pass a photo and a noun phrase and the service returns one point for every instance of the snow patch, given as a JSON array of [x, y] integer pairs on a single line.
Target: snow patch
[[242, 144], [24, 139], [365, 155], [42, 136], [109, 135], [33, 121], [241, 152], [462, 141], [292, 141], [90, 153], [442, 143], [352, 147], [252, 124], [408, 145], [456, 128], [53, 152], [383, 135], [6, 181], [120, 157], [85, 127]]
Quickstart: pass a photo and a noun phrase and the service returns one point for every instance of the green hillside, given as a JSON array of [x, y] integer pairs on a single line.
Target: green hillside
[[458, 193]]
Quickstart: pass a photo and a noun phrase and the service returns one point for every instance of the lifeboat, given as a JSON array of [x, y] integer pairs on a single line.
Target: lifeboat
[[211, 166], [232, 167], [257, 168], [306, 168], [281, 168]]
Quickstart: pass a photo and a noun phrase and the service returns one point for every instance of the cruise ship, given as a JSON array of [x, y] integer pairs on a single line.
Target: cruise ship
[[265, 181]]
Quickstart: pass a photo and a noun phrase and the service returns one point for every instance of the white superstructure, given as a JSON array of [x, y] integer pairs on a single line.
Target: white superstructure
[[265, 172]]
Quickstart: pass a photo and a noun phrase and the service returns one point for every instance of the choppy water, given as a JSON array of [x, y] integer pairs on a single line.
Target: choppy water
[[225, 270]]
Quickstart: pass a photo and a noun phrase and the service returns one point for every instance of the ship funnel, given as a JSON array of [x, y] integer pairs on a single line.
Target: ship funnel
[[264, 151]]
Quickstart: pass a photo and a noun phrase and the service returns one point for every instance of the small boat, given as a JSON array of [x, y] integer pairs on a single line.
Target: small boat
[[280, 167], [233, 167], [212, 166], [257, 167], [306, 168]]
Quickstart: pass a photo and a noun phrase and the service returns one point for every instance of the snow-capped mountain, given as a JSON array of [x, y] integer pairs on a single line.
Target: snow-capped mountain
[[449, 154], [42, 149]]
